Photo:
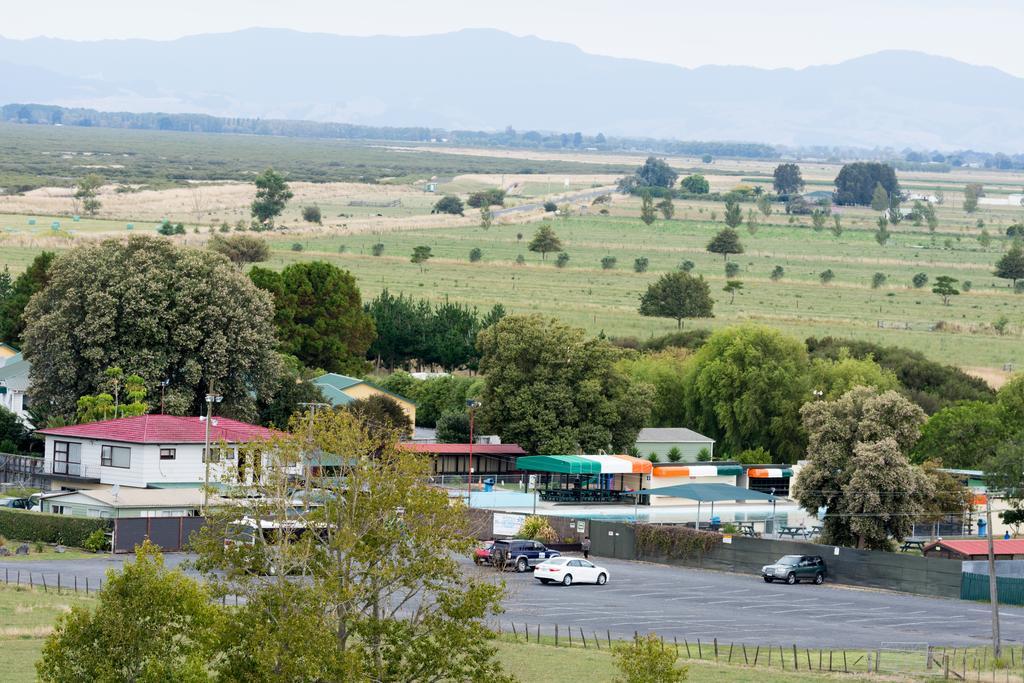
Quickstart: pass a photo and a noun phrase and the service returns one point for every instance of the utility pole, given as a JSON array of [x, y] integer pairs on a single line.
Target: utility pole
[[211, 398], [472, 405], [307, 470], [993, 589]]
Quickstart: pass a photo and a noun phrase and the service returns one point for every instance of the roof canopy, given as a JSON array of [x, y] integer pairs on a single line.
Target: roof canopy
[[706, 492], [584, 464], [697, 470], [769, 472], [164, 429]]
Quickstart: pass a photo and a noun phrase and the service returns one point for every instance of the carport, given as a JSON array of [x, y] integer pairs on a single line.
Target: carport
[[585, 478], [707, 493]]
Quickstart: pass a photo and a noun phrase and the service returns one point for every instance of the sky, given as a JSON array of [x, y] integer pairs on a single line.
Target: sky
[[783, 33]]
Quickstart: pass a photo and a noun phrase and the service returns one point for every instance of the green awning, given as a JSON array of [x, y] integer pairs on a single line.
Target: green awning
[[560, 464], [706, 492]]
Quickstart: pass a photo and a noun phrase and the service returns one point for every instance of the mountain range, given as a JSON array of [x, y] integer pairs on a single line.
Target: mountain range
[[487, 79]]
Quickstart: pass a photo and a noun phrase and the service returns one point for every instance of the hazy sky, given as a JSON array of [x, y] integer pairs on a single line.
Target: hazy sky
[[791, 33]]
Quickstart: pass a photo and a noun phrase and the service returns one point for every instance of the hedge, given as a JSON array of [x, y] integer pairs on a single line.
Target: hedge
[[24, 525]]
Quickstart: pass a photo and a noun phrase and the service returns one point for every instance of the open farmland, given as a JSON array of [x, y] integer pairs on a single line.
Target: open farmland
[[397, 214]]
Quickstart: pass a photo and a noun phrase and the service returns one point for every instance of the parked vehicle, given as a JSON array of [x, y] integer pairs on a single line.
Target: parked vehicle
[[795, 568], [482, 553], [16, 503], [568, 570], [521, 554]]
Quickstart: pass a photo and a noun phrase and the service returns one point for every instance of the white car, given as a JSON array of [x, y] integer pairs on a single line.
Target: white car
[[570, 570]]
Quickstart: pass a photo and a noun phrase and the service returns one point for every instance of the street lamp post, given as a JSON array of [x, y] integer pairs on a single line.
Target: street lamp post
[[210, 400], [472, 405], [772, 491], [163, 385]]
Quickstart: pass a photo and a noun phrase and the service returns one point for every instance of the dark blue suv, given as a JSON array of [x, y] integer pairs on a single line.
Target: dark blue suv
[[520, 554]]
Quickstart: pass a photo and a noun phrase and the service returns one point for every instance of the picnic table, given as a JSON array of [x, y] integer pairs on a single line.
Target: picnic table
[[746, 528], [792, 531], [917, 543]]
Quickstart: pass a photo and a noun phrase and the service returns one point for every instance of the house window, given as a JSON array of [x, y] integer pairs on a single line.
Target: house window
[[57, 509], [67, 458], [116, 456], [167, 454]]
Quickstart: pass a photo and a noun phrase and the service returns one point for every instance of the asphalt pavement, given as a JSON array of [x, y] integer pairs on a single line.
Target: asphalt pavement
[[686, 604]]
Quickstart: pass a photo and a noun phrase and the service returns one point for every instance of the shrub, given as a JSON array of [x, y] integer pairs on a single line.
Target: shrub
[[673, 541], [449, 204], [38, 546], [686, 266], [674, 454], [967, 285], [647, 660], [296, 246], [608, 262], [475, 254], [778, 272], [826, 276], [877, 280], [537, 528], [562, 260], [704, 455], [640, 265], [920, 280], [732, 269], [311, 214], [652, 456], [550, 207], [48, 528], [96, 541], [520, 259], [377, 249]]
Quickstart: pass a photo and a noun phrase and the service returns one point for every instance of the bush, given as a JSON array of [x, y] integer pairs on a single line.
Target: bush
[[296, 246], [688, 339], [96, 541], [537, 528], [672, 541], [608, 262], [377, 249], [778, 272], [311, 214], [640, 265], [48, 528], [489, 197], [647, 660], [732, 269], [562, 260], [550, 207], [475, 254], [449, 204], [920, 280], [674, 454], [686, 266]]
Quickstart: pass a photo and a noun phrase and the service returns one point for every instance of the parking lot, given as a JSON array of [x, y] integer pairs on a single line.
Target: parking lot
[[690, 604]]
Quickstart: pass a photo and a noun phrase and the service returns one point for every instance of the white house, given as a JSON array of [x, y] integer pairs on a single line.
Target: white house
[[14, 384], [157, 451], [128, 502]]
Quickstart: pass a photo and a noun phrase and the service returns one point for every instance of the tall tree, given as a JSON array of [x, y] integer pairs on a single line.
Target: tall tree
[[667, 208], [379, 412], [449, 204], [858, 468], [656, 173], [971, 194], [879, 198], [726, 242], [319, 315], [155, 309], [551, 390], [744, 389], [788, 179], [402, 327], [420, 255], [383, 597], [731, 287], [86, 191], [272, 194], [544, 241], [963, 436], [764, 205], [647, 214], [945, 286], [16, 298], [677, 295], [1010, 265], [150, 623], [856, 182], [695, 184], [733, 213]]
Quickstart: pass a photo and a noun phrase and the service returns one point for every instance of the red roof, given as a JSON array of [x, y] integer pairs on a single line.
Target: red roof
[[164, 429], [463, 448], [1013, 546]]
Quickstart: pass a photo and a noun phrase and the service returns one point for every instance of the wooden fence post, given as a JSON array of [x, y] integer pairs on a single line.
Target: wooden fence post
[[796, 667], [556, 635]]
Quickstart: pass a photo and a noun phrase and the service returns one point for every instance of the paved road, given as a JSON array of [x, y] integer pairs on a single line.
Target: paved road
[[691, 604], [568, 197]]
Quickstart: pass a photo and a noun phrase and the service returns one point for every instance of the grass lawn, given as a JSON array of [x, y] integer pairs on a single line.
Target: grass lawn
[[26, 618], [49, 552]]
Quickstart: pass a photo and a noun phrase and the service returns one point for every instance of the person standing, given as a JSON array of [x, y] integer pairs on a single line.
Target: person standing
[[586, 547]]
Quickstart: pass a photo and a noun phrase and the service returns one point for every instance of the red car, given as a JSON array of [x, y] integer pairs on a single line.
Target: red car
[[482, 553]]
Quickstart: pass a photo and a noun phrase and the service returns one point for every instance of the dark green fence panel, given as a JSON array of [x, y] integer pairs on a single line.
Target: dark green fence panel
[[975, 587]]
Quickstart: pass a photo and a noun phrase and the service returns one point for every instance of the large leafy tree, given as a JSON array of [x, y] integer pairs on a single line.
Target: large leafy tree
[[156, 310], [963, 436], [551, 390], [150, 624], [726, 242], [744, 388], [788, 179], [1010, 265], [383, 597], [858, 468], [319, 315], [856, 182], [15, 297], [833, 378], [241, 249], [656, 173], [379, 412], [272, 194], [677, 295], [545, 241], [402, 325], [695, 184], [293, 387], [733, 213], [665, 371]]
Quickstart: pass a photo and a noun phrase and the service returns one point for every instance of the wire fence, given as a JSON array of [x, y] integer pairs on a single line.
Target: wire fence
[[59, 582]]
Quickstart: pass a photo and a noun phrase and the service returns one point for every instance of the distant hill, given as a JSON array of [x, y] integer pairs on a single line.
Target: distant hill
[[486, 79]]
